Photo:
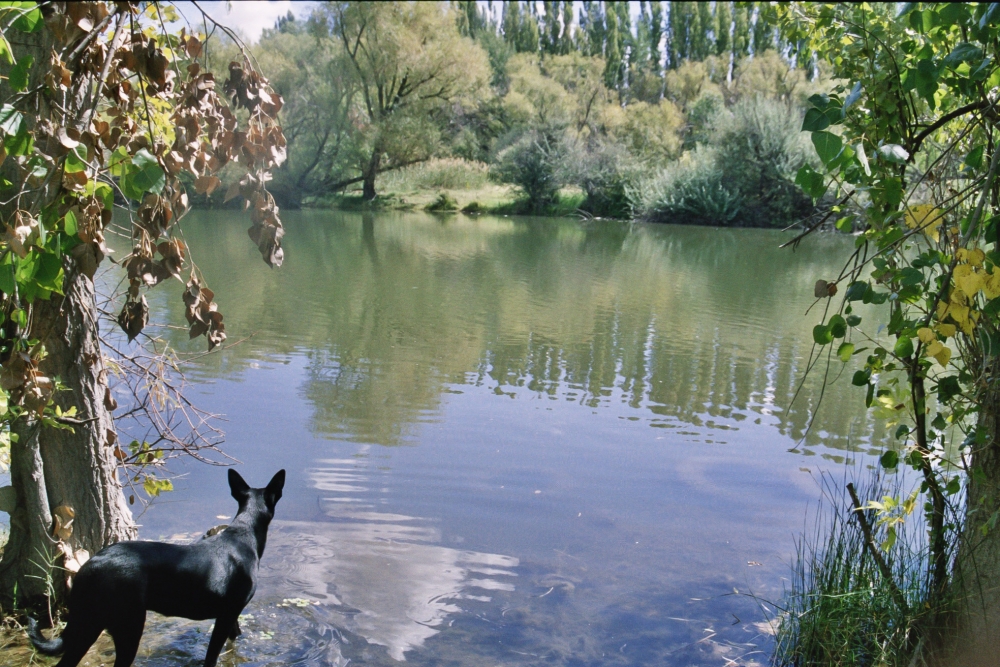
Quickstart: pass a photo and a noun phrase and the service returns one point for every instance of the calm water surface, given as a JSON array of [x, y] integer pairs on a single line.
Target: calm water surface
[[510, 441]]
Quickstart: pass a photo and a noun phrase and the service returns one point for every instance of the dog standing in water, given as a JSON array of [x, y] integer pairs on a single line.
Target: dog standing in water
[[213, 578]]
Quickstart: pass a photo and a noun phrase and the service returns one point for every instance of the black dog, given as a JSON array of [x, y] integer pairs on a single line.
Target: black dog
[[213, 578]]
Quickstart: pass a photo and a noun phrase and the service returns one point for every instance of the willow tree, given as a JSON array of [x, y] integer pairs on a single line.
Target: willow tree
[[411, 64], [910, 139], [102, 108]]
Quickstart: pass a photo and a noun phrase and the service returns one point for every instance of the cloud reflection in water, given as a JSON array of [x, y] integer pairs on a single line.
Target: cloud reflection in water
[[383, 573]]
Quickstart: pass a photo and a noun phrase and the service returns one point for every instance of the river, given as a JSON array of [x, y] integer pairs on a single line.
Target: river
[[510, 441]]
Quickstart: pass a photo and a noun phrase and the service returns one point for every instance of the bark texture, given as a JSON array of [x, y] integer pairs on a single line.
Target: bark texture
[[75, 468], [971, 630]]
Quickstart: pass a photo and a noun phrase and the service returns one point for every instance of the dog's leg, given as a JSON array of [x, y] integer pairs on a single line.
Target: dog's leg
[[77, 640], [236, 631], [223, 627], [127, 632]]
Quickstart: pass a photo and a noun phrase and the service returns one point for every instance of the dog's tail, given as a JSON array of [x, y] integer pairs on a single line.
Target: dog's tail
[[43, 645]]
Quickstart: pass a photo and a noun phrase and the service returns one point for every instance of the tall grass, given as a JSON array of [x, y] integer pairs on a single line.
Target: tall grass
[[840, 611], [436, 174]]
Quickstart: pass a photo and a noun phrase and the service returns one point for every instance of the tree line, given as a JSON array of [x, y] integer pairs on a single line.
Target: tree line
[[549, 96]]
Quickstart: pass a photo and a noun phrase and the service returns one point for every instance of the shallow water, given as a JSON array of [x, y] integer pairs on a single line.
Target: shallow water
[[510, 441]]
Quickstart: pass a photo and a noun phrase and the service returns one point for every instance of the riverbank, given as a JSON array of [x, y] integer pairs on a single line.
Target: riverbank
[[490, 199]]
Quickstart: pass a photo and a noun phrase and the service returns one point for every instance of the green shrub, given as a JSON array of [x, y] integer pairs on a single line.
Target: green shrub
[[533, 164], [691, 190], [760, 148], [605, 171], [473, 208], [743, 176], [444, 202]]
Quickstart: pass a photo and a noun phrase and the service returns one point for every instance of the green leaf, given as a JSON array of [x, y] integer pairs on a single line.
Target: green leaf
[[50, 272], [894, 153], [815, 121], [903, 347], [926, 79], [828, 146], [837, 326], [69, 223], [910, 276], [811, 182], [991, 15], [861, 377], [73, 163], [963, 52], [948, 388], [10, 119], [902, 430], [975, 157], [980, 71], [144, 175], [5, 51], [954, 486], [18, 79], [853, 96], [889, 459], [822, 334], [7, 276], [845, 351], [853, 320], [31, 19], [19, 144], [857, 290]]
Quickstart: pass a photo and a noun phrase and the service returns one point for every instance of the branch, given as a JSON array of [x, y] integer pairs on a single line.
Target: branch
[[794, 242], [876, 555], [919, 139]]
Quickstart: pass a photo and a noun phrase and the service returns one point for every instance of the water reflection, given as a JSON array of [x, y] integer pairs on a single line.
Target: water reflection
[[510, 441], [692, 326], [383, 573]]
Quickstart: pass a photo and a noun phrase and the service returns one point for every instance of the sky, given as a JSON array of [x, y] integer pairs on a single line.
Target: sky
[[247, 17]]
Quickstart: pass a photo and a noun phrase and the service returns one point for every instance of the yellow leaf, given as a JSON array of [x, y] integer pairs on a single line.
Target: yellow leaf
[[969, 281], [976, 257], [926, 335], [939, 352], [991, 284], [926, 217], [946, 330]]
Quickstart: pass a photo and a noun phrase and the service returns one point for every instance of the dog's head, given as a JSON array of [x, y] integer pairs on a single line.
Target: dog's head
[[264, 499]]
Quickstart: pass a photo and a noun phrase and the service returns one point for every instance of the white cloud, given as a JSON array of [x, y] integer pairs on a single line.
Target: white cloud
[[249, 17]]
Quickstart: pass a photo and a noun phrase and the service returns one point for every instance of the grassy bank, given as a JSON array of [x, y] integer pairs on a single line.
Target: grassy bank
[[445, 186]]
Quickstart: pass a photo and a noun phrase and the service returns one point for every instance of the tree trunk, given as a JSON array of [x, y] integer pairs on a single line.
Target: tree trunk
[[74, 468], [371, 172], [970, 633]]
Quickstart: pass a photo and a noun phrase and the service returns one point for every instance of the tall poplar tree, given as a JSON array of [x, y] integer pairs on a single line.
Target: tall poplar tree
[[550, 41], [566, 44], [723, 24], [741, 31], [705, 26], [597, 31], [655, 37], [678, 24], [612, 50], [763, 28]]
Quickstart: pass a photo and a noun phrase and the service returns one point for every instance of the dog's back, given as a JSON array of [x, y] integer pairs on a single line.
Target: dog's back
[[197, 581], [213, 578]]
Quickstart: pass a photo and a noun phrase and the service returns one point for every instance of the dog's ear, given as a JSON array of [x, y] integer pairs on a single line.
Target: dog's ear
[[272, 492], [237, 485]]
